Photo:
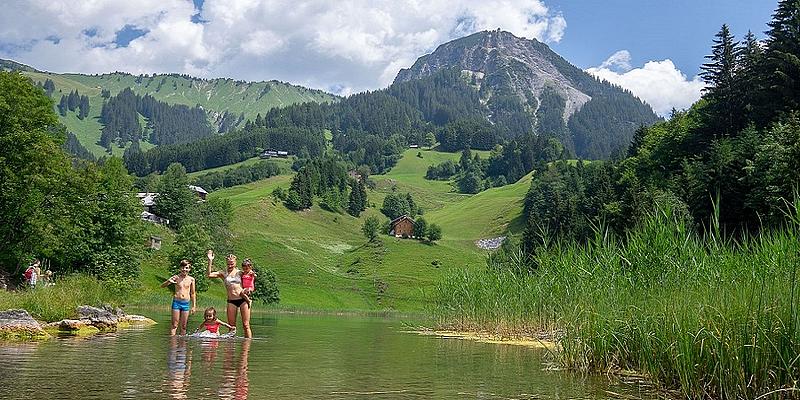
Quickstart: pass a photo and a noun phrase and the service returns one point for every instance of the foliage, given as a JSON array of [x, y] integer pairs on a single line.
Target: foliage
[[371, 227], [174, 198], [266, 287], [192, 243], [397, 204], [420, 228], [357, 201], [237, 176], [434, 233]]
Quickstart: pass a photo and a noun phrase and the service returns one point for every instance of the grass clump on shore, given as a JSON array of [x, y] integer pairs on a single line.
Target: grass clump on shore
[[54, 303], [709, 317]]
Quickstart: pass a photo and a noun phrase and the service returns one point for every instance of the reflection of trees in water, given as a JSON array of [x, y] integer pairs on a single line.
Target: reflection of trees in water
[[179, 368], [235, 381]]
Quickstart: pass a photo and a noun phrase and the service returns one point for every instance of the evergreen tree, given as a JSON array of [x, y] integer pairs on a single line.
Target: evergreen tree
[[782, 63], [49, 87], [720, 74], [303, 188], [358, 198]]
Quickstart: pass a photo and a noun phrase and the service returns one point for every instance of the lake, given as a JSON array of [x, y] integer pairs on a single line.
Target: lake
[[292, 357]]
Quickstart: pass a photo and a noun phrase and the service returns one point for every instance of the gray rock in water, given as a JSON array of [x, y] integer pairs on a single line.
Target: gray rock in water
[[101, 318], [16, 324]]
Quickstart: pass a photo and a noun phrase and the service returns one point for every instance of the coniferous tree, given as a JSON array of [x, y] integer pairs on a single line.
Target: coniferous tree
[[782, 58], [719, 74], [49, 86], [358, 198]]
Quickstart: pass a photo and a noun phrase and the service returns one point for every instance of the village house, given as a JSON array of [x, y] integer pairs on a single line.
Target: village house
[[402, 227], [355, 175], [200, 192]]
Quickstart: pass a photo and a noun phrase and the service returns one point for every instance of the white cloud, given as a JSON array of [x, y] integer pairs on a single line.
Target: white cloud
[[347, 46], [659, 83]]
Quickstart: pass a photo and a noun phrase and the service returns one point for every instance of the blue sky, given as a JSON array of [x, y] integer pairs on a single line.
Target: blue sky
[[653, 48], [680, 30]]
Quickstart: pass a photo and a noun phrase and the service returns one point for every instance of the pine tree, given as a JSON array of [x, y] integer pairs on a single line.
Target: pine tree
[[358, 198], [749, 85], [719, 74], [782, 64]]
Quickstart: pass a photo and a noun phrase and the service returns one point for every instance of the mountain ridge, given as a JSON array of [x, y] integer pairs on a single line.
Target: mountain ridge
[[504, 67]]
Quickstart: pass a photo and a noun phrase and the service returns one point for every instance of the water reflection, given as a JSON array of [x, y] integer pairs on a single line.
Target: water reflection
[[179, 368], [233, 383]]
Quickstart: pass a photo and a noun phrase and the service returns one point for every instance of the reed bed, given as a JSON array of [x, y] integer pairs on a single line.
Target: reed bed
[[708, 317], [54, 303]]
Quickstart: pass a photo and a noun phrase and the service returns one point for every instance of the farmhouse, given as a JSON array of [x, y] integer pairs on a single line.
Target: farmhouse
[[200, 192], [402, 226]]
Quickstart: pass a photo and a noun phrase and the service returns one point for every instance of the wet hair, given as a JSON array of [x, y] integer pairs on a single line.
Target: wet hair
[[231, 257], [248, 262], [213, 312], [185, 262]]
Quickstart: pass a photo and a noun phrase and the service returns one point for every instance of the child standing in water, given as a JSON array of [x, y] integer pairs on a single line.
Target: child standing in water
[[211, 324], [184, 291], [248, 281]]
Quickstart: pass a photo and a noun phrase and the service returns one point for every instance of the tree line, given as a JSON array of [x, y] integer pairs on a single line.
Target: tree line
[[729, 165]]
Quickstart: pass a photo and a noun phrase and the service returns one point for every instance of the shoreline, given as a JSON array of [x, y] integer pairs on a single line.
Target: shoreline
[[485, 337]]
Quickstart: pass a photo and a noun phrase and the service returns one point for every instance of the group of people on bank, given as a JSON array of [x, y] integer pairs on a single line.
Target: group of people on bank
[[239, 285]]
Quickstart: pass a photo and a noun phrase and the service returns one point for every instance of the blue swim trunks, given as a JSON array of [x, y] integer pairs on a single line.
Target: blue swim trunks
[[182, 305]]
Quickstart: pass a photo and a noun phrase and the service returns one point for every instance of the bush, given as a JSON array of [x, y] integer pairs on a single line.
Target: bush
[[370, 228], [434, 233], [266, 287]]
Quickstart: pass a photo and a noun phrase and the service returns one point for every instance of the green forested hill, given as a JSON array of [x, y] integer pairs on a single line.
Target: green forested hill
[[216, 96]]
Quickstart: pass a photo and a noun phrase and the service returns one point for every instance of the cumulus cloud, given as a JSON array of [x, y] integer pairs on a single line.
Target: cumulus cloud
[[659, 83], [343, 46]]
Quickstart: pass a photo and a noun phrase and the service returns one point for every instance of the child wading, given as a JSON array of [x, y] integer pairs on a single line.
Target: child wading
[[211, 324], [184, 291]]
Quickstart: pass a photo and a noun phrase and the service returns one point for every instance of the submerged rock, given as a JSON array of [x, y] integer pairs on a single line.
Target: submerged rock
[[74, 327], [19, 325]]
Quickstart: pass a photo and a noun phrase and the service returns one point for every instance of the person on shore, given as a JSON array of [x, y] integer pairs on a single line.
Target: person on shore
[[248, 281], [31, 274], [232, 279], [211, 324], [184, 292]]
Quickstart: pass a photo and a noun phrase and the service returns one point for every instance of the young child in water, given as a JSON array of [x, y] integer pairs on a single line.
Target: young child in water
[[248, 281], [211, 324]]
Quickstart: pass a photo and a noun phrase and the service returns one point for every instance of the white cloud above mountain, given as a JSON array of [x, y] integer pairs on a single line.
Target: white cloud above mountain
[[659, 83], [346, 46]]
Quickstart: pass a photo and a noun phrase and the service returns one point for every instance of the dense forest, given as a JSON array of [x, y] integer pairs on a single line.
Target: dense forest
[[731, 162], [166, 123]]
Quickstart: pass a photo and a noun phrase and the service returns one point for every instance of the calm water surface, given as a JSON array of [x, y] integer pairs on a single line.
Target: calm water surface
[[292, 357]]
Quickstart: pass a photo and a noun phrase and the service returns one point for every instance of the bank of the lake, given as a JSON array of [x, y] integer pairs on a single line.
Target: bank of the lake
[[704, 316]]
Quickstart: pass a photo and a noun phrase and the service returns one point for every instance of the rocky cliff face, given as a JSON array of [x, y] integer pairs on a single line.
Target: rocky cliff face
[[505, 63], [596, 118]]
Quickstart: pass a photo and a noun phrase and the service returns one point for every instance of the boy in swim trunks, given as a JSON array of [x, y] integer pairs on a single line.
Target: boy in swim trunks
[[184, 291]]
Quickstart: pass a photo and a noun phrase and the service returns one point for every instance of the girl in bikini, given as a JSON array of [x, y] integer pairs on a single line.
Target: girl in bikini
[[232, 278], [211, 324]]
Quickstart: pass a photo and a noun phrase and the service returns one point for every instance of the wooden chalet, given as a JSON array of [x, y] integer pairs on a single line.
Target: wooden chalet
[[402, 227]]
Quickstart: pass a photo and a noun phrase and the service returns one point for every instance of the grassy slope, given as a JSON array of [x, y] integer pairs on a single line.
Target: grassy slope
[[285, 163], [216, 96], [322, 259]]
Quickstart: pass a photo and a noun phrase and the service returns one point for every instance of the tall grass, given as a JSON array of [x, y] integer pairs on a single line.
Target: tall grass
[[710, 317], [58, 302]]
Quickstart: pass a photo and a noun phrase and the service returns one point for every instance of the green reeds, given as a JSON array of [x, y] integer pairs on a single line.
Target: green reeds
[[710, 318], [54, 303]]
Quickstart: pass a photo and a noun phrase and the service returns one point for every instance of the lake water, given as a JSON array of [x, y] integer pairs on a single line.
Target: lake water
[[292, 357]]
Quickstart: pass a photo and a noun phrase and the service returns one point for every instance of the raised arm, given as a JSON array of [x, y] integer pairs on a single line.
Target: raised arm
[[170, 281], [210, 273]]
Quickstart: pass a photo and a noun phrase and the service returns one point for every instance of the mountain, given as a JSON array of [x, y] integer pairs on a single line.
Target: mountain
[[524, 84], [227, 103]]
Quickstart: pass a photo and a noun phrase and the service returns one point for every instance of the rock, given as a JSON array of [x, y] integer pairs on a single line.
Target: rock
[[100, 318], [19, 325], [139, 320], [73, 327]]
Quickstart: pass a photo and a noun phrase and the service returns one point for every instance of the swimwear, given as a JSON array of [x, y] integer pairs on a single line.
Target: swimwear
[[248, 282], [232, 279], [212, 327], [237, 302], [181, 305]]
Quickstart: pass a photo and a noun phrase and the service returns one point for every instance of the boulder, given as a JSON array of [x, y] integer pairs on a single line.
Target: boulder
[[75, 327], [100, 318], [139, 320], [19, 325]]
